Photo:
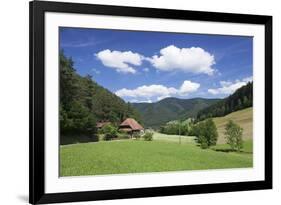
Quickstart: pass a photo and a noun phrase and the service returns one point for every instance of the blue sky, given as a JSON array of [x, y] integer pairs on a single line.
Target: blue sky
[[149, 66]]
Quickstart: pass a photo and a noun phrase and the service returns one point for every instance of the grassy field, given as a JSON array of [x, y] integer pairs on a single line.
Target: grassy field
[[136, 156], [173, 138], [244, 118], [247, 147]]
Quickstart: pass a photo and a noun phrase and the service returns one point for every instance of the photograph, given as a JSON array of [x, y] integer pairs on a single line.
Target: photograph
[[148, 101]]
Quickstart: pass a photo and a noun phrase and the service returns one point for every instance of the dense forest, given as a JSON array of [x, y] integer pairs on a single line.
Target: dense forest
[[240, 99], [83, 102]]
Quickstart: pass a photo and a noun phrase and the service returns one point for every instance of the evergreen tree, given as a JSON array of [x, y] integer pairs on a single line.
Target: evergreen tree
[[239, 104], [245, 101]]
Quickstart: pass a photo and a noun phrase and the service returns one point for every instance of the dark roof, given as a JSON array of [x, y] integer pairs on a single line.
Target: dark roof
[[132, 123]]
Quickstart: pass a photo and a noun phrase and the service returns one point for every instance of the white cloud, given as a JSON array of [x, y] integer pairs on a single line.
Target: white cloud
[[225, 83], [248, 79], [121, 61], [228, 87], [162, 97], [147, 91], [140, 101], [158, 92], [193, 60], [188, 87]]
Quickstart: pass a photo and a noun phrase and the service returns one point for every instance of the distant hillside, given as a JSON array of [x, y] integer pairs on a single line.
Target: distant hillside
[[243, 118], [240, 99], [159, 113]]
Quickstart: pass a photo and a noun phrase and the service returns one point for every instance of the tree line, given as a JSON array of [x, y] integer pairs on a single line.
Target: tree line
[[177, 127], [240, 99], [83, 102]]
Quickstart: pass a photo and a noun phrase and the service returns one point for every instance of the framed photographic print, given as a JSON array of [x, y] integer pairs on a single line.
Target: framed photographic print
[[139, 102]]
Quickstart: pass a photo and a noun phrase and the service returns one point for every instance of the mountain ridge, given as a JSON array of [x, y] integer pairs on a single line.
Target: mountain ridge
[[158, 113]]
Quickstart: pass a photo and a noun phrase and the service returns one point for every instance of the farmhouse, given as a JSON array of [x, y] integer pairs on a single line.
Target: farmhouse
[[131, 126]]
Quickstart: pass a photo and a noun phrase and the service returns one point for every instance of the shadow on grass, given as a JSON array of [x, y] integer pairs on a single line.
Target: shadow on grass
[[65, 140], [227, 150]]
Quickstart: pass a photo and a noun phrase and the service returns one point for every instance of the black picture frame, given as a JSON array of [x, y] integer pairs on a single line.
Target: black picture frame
[[37, 194]]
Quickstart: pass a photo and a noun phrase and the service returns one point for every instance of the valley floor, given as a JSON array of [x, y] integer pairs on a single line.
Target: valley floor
[[137, 156]]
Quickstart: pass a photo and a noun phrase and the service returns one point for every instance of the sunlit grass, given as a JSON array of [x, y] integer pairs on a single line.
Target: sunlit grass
[[243, 118], [136, 156]]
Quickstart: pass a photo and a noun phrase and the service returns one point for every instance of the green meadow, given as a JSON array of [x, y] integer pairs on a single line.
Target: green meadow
[[136, 156]]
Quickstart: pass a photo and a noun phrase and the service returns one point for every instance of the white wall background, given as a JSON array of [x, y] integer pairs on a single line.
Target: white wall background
[[14, 100]]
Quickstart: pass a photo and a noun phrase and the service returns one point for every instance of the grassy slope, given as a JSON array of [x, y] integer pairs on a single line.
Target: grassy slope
[[244, 118], [137, 156]]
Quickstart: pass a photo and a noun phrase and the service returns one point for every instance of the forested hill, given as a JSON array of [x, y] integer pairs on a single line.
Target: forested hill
[[83, 102], [240, 99], [156, 114]]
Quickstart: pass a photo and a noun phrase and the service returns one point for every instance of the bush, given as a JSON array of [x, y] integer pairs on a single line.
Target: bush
[[203, 142], [122, 135], [148, 136], [136, 135], [233, 134], [109, 132]]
